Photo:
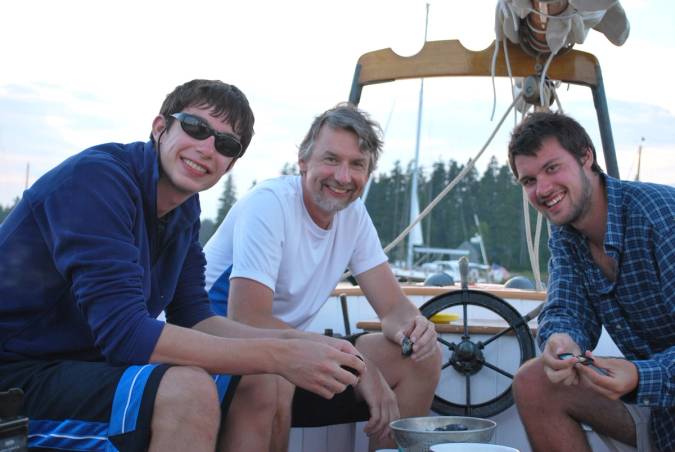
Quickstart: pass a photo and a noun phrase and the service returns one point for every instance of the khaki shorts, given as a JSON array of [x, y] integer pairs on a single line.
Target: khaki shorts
[[640, 416]]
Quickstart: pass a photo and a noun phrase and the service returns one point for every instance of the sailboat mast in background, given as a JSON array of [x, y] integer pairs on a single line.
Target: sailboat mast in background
[[27, 174], [415, 237], [637, 175]]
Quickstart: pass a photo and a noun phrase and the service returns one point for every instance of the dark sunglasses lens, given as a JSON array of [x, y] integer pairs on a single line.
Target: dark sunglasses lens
[[199, 130], [228, 146], [195, 128]]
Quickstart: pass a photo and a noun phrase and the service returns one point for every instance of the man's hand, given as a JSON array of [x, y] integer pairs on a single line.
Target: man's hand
[[560, 370], [422, 334], [318, 367], [622, 376], [381, 401]]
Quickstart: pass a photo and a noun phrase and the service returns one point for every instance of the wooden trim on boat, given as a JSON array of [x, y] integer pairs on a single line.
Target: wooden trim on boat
[[477, 326], [415, 290], [451, 58]]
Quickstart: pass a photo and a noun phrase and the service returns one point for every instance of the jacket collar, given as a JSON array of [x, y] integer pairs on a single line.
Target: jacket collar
[[146, 165]]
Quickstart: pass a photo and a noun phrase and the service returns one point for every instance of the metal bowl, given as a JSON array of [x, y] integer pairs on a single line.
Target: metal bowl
[[417, 434], [471, 447]]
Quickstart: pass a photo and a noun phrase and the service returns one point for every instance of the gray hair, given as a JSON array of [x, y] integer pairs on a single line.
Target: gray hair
[[348, 117]]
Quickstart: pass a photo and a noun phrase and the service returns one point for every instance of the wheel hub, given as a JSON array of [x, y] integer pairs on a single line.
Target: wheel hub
[[467, 357]]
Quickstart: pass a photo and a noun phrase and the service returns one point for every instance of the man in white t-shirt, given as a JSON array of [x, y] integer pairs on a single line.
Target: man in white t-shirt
[[284, 246]]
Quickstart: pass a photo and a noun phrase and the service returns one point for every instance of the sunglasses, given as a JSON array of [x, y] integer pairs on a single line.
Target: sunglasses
[[225, 143]]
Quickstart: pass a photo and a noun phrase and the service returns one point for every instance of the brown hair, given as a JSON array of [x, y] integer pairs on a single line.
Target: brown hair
[[527, 137]]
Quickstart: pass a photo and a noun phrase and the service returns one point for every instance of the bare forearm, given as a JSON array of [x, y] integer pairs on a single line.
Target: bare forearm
[[397, 318], [314, 366], [239, 356], [250, 302], [225, 327], [260, 320]]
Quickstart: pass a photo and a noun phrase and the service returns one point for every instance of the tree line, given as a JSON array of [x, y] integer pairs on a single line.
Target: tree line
[[494, 198]]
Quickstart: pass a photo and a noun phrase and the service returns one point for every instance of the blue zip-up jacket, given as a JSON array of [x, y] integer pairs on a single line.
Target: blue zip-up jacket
[[85, 268]]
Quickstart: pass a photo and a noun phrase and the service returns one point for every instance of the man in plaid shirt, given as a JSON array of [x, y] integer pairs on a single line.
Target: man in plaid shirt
[[613, 265]]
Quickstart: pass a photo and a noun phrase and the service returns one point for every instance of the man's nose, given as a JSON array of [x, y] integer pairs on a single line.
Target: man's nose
[[343, 173], [208, 146], [544, 186]]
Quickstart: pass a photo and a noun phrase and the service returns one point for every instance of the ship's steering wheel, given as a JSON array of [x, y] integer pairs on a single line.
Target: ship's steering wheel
[[469, 355]]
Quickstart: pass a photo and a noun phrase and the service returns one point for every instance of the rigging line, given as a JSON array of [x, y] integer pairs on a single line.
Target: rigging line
[[538, 283], [542, 81], [528, 234], [469, 166], [507, 60], [364, 195], [557, 100], [493, 70]]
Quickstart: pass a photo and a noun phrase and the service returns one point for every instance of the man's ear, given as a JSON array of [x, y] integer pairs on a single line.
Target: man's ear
[[587, 158], [158, 126], [302, 165]]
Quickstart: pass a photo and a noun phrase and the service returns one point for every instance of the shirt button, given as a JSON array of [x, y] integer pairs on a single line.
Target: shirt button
[[645, 402], [618, 327]]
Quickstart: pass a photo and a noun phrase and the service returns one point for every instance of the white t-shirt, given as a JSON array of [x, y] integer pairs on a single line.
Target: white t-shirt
[[268, 236]]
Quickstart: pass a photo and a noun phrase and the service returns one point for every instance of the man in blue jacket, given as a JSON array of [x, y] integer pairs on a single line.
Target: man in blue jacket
[[613, 266], [101, 245]]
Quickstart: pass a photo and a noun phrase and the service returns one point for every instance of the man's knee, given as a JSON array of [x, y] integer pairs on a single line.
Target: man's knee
[[428, 369], [285, 393], [530, 382], [186, 396], [432, 365], [261, 394]]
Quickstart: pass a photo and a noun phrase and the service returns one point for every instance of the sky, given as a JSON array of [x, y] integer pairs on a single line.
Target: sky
[[79, 73]]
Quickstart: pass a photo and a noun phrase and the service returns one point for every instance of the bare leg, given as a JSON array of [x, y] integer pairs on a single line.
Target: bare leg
[[414, 383], [552, 413], [186, 412], [282, 419], [248, 425]]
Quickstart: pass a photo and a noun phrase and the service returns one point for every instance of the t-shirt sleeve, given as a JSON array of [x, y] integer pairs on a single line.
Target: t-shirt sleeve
[[257, 239], [368, 252]]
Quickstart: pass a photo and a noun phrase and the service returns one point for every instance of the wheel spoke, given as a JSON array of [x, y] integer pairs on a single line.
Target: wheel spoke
[[497, 336], [497, 369], [465, 307], [468, 395], [450, 345]]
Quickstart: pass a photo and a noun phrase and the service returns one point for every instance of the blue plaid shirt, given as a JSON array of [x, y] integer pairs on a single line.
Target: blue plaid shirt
[[638, 309]]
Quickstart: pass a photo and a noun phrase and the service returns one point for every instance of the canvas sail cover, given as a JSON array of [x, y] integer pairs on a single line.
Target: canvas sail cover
[[568, 27]]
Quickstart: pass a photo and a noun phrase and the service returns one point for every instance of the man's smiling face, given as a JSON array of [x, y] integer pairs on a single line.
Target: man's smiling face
[[556, 184], [188, 165], [334, 174]]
